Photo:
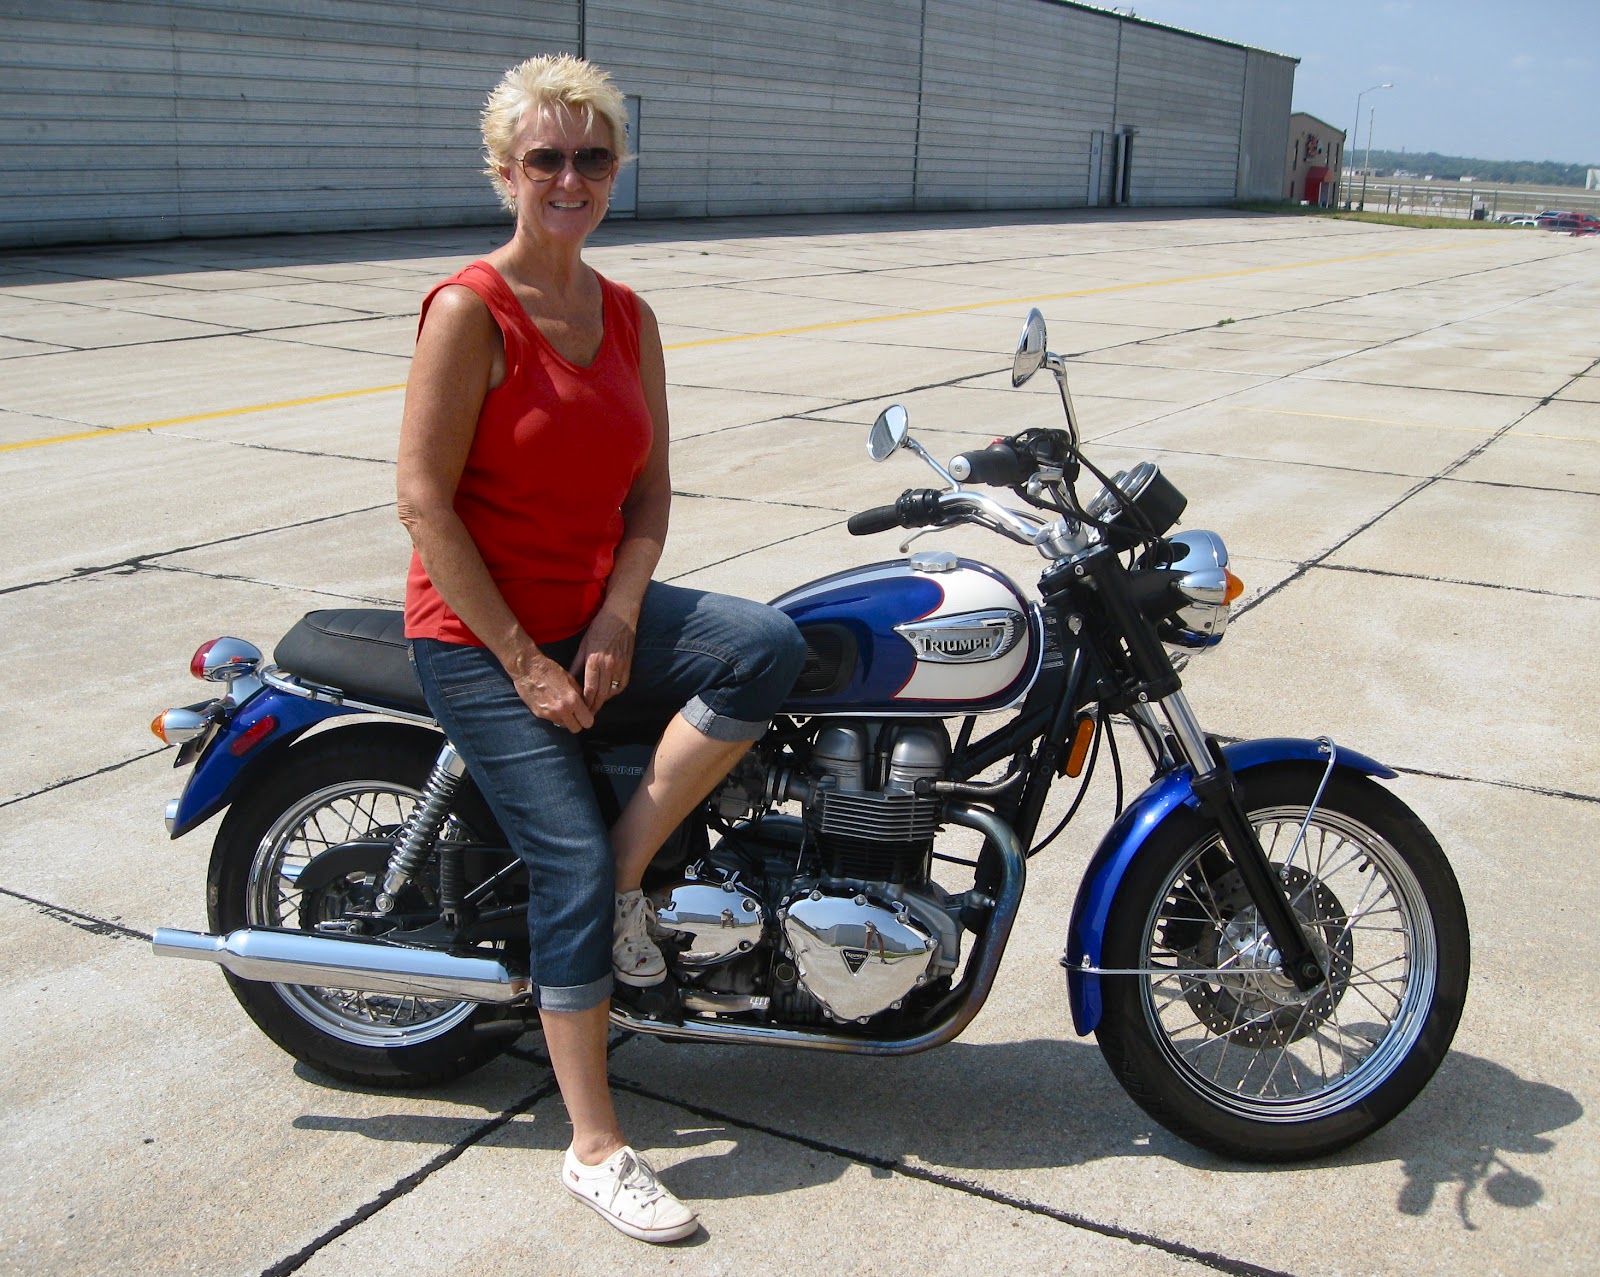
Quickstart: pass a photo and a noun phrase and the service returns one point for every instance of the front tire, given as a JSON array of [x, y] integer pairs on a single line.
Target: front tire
[[341, 786], [1241, 1062]]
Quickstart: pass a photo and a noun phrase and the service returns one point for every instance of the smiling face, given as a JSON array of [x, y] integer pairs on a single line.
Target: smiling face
[[565, 208]]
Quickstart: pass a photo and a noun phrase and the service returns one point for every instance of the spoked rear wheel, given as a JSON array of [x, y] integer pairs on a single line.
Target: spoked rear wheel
[[1233, 1057], [345, 786]]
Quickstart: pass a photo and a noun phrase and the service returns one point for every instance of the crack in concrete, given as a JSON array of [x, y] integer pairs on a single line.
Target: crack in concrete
[[139, 561], [943, 1179], [73, 780], [75, 918], [406, 1184], [1453, 580], [1421, 486], [371, 600]]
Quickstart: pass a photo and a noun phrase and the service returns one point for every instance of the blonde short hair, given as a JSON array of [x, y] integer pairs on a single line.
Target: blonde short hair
[[552, 79]]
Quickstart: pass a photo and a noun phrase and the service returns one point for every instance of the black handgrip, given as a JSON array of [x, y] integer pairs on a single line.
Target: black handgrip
[[878, 519], [999, 465], [916, 508]]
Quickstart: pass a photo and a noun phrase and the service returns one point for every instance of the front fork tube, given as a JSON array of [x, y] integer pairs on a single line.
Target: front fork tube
[[1218, 792]]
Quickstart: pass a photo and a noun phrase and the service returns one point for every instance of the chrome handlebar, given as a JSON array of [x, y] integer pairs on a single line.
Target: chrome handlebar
[[1054, 538]]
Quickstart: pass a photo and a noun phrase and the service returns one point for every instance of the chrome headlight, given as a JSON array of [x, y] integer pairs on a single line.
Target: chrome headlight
[[1207, 586]]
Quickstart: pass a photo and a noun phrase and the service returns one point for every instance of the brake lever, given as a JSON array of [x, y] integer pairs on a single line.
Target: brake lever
[[920, 532]]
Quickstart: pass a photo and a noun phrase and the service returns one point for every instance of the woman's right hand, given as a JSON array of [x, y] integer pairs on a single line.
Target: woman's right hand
[[551, 693]]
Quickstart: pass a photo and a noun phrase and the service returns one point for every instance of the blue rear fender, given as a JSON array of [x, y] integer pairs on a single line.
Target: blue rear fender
[[1133, 828], [219, 769]]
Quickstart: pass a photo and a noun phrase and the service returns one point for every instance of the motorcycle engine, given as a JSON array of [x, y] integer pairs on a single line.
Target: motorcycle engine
[[832, 916]]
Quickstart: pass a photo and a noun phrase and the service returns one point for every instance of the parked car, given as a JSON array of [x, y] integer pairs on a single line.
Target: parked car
[[1530, 220], [1572, 223]]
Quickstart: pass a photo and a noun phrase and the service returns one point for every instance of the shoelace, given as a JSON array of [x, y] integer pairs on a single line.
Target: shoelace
[[637, 1176], [636, 915]]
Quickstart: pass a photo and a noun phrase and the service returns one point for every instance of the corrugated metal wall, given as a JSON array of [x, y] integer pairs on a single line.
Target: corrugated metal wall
[[132, 120], [1012, 91], [127, 120], [1182, 97], [1268, 84], [764, 106]]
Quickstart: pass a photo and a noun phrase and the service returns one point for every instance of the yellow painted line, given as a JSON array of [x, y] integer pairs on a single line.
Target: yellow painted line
[[199, 416], [1051, 297], [1410, 425], [737, 337]]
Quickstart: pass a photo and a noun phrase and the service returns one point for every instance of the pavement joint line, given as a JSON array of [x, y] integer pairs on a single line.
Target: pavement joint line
[[1409, 425], [702, 567], [75, 918], [1422, 486], [142, 562], [285, 450], [293, 1263], [941, 1179], [1431, 579], [1542, 791], [107, 431], [73, 780], [786, 505], [740, 337], [369, 599]]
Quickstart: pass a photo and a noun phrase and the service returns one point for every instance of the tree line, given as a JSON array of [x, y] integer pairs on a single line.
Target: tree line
[[1450, 167]]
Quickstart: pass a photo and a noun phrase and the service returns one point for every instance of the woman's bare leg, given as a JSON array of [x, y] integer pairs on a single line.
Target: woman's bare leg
[[685, 768], [576, 1041]]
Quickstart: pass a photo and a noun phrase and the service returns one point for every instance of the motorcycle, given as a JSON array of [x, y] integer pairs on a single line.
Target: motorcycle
[[1269, 946]]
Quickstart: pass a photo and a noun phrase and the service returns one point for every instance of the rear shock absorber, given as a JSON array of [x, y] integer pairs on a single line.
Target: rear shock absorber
[[422, 827]]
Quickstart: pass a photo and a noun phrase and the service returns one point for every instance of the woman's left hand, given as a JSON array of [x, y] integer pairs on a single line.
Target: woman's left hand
[[605, 658]]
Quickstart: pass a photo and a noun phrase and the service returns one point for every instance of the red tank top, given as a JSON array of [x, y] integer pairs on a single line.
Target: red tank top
[[556, 450]]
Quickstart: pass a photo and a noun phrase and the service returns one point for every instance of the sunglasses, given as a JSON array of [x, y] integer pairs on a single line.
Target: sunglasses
[[595, 163]]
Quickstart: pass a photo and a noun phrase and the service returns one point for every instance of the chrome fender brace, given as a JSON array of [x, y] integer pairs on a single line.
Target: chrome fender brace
[[1122, 844]]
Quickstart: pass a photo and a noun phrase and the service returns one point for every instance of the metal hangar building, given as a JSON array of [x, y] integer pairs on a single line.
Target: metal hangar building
[[126, 120]]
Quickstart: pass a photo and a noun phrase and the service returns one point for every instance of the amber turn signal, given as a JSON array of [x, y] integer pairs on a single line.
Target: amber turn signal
[[1235, 586]]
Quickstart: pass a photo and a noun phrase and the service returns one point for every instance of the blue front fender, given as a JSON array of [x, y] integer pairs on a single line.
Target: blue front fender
[[1125, 838], [218, 771]]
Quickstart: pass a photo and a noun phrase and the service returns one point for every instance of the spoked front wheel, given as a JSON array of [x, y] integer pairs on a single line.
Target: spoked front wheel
[[1215, 1042]]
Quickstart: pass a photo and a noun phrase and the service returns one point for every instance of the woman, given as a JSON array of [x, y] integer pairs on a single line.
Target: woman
[[533, 480]]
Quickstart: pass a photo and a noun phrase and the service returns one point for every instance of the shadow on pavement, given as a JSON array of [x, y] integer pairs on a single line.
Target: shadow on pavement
[[1039, 1103]]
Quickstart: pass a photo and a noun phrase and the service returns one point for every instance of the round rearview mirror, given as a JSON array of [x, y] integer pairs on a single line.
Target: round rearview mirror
[[888, 433], [1030, 349]]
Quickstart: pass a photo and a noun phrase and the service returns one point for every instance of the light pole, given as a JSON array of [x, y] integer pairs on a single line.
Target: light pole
[[1355, 133], [1366, 164]]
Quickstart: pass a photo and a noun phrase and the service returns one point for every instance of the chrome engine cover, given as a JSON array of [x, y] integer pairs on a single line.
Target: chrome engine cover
[[855, 955], [719, 916]]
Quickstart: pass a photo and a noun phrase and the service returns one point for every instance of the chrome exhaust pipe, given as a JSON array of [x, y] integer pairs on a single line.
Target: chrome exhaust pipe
[[346, 962]]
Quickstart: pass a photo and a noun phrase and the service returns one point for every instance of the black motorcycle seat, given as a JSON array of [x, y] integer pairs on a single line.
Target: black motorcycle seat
[[361, 651]]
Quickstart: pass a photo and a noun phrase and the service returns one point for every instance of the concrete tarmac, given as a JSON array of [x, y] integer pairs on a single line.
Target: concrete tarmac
[[1396, 431]]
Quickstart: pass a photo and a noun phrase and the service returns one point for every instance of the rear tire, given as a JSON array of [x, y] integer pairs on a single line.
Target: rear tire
[[1242, 1063], [337, 787]]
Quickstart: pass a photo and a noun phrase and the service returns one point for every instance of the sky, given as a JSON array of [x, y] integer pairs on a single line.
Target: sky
[[1484, 79]]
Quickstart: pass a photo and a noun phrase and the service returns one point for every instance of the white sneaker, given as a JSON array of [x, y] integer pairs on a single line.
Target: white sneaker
[[624, 1189], [635, 959]]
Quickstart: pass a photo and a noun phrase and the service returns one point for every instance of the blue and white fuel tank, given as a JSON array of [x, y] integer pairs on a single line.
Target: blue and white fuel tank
[[933, 634]]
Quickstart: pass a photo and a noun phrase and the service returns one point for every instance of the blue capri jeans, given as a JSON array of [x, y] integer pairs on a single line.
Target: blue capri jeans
[[725, 663]]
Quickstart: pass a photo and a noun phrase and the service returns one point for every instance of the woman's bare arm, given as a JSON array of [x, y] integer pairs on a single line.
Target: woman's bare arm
[[457, 360]]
